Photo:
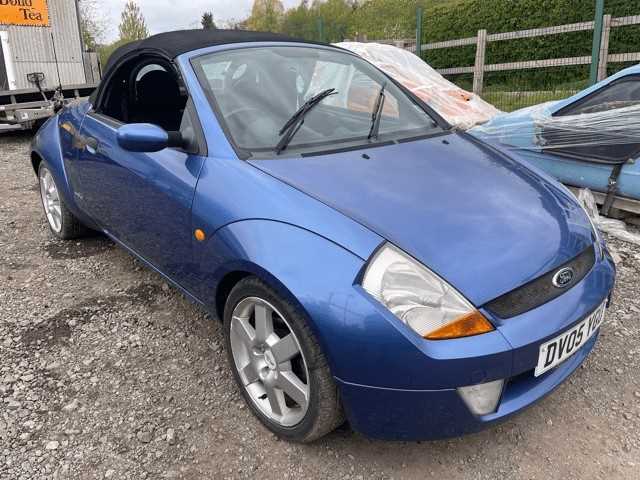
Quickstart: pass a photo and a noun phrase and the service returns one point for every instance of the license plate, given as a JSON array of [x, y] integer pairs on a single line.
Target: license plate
[[556, 351]]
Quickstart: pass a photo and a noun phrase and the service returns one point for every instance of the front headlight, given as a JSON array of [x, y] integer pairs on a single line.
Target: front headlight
[[420, 298]]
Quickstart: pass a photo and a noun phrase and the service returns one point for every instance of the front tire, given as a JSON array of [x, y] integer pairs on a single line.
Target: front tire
[[62, 223], [278, 364]]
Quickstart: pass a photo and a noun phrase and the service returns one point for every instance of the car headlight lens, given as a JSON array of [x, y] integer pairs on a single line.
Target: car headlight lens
[[420, 298]]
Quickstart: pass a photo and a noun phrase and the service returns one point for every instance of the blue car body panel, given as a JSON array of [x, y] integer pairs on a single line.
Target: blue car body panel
[[519, 139], [308, 225], [415, 414], [507, 224], [244, 192], [54, 142], [151, 194]]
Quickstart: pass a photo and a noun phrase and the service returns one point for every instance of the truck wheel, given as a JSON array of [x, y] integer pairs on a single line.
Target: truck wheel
[[278, 364], [62, 222]]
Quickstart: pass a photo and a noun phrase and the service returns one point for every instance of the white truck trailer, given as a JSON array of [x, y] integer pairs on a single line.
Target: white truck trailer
[[43, 62]]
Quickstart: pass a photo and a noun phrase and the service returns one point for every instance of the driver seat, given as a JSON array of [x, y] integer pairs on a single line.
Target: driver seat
[[158, 101]]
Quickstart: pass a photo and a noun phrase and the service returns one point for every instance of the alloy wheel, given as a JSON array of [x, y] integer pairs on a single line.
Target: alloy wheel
[[269, 361], [50, 200]]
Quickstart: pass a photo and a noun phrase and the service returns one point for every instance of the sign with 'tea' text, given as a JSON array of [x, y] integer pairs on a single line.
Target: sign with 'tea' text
[[24, 12]]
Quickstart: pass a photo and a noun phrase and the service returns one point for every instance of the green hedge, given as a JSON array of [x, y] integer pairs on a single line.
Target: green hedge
[[496, 16], [385, 19], [451, 19]]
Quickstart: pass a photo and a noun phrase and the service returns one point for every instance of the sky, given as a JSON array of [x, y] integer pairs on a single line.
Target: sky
[[163, 15]]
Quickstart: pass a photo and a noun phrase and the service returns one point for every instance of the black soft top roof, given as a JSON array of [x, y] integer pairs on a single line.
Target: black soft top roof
[[172, 44]]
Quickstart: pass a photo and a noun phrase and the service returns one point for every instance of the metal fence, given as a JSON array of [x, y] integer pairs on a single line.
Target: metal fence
[[513, 85]]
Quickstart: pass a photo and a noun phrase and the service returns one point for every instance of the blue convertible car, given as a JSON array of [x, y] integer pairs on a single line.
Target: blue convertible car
[[367, 261]]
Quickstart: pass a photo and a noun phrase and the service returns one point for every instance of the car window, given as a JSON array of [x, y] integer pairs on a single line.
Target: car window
[[144, 92], [593, 138], [191, 131], [216, 74], [357, 92], [157, 98], [620, 94], [256, 90]]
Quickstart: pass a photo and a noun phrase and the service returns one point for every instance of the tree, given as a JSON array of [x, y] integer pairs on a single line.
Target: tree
[[266, 16], [105, 51], [336, 18], [299, 22], [207, 21], [328, 20], [92, 24], [132, 24]]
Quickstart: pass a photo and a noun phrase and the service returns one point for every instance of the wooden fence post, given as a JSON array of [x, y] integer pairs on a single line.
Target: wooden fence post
[[478, 71], [604, 48]]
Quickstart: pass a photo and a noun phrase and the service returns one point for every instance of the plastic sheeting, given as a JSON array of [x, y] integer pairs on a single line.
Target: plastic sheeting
[[534, 127], [615, 228], [459, 107]]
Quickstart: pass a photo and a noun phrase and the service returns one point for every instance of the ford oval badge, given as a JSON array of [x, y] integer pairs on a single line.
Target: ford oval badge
[[563, 277]]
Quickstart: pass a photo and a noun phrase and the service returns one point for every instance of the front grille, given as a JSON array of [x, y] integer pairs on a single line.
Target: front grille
[[541, 290]]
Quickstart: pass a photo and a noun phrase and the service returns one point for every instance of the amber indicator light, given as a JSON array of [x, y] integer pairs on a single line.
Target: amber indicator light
[[472, 323], [199, 234]]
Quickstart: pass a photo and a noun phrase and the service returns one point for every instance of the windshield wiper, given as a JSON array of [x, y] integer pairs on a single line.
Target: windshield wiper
[[376, 115], [296, 121]]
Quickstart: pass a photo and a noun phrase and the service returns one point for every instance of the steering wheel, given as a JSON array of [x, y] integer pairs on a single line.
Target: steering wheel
[[229, 117]]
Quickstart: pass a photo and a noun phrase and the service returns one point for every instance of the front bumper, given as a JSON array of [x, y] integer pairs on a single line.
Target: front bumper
[[393, 414], [428, 405]]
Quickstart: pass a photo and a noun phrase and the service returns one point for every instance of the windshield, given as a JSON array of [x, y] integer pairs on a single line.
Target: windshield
[[257, 90]]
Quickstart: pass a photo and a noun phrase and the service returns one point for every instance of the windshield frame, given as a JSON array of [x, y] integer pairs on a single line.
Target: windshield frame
[[246, 154]]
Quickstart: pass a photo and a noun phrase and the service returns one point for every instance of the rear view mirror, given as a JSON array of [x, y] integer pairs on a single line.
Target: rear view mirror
[[145, 137]]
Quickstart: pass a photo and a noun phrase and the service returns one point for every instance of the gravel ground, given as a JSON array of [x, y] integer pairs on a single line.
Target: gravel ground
[[107, 372]]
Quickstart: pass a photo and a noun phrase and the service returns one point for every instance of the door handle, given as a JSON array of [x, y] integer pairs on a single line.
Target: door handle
[[91, 145]]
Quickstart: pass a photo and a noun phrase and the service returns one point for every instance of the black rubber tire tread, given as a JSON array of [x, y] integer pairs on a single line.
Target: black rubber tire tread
[[325, 411], [71, 226]]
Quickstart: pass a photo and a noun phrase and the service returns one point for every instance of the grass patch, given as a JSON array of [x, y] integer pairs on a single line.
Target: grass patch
[[510, 101]]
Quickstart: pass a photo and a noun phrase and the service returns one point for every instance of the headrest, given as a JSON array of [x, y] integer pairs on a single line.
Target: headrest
[[158, 88]]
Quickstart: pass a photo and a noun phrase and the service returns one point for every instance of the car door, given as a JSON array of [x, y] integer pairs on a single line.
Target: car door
[[141, 199]]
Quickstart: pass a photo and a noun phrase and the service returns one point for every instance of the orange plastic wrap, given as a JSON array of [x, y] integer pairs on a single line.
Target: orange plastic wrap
[[459, 107]]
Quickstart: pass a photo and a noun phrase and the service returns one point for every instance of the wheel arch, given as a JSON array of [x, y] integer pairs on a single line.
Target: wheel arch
[[310, 271], [236, 273], [36, 160], [47, 147], [226, 284]]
